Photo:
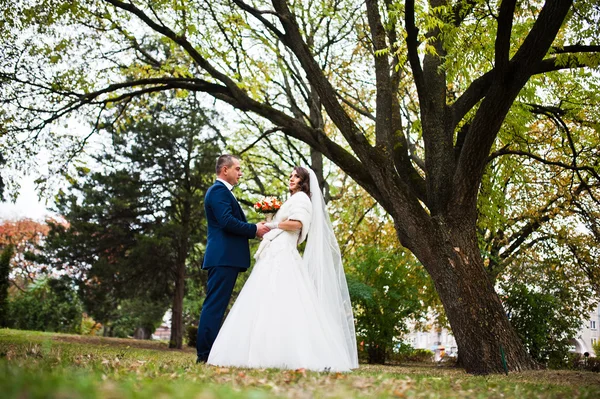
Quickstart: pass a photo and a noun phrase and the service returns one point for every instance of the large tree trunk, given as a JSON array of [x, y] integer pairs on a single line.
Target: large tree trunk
[[176, 340], [487, 342], [183, 246]]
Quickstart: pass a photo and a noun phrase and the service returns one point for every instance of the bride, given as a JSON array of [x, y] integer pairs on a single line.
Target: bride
[[293, 312]]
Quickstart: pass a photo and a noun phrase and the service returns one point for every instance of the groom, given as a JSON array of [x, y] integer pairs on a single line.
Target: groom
[[227, 250]]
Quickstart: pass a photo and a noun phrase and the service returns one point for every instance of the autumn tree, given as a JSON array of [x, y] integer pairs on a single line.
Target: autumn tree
[[25, 236], [409, 98]]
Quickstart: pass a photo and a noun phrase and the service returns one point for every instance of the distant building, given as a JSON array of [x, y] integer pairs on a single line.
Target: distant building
[[438, 340], [162, 333], [588, 335]]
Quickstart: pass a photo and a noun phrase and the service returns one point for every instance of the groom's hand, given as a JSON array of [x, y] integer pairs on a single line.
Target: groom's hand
[[261, 229]]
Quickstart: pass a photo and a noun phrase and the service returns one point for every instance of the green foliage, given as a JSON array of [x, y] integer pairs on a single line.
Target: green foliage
[[137, 317], [417, 355], [2, 162], [191, 334], [405, 353], [5, 257], [105, 241], [578, 361], [596, 347], [89, 326], [385, 291], [48, 305], [195, 292], [543, 321]]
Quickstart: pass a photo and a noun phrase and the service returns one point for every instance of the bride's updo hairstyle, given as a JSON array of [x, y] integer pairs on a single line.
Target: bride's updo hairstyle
[[304, 179]]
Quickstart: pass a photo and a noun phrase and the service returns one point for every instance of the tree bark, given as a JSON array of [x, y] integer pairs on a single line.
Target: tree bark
[[486, 340], [176, 340], [183, 246]]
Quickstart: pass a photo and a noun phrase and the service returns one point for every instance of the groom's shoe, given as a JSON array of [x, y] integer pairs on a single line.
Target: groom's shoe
[[200, 360]]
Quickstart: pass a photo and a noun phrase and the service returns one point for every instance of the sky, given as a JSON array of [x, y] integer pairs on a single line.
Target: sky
[[27, 205]]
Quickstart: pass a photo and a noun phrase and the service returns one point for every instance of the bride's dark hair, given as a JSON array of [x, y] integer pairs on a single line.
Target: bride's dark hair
[[304, 179]]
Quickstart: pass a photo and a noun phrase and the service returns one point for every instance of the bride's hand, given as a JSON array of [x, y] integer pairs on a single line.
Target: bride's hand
[[272, 225], [261, 229]]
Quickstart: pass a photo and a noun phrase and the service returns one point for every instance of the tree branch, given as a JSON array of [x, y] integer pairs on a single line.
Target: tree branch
[[499, 97], [293, 40], [576, 48], [237, 98], [506, 151], [383, 116], [259, 15], [412, 42], [502, 45], [186, 45]]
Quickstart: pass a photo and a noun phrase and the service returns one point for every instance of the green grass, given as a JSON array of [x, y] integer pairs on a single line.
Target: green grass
[[44, 365]]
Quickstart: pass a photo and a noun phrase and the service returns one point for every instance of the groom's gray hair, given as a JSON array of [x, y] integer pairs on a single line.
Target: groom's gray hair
[[225, 160]]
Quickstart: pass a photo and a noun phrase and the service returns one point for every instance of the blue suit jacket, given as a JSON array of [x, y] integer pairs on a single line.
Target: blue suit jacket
[[228, 231]]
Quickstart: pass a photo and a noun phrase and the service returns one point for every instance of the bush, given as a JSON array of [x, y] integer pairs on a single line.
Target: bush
[[48, 305], [577, 361], [596, 348], [191, 332], [592, 364], [137, 318], [420, 356], [543, 322], [89, 326], [384, 287], [403, 352]]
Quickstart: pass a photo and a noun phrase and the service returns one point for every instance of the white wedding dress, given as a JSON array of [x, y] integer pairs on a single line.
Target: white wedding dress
[[278, 319]]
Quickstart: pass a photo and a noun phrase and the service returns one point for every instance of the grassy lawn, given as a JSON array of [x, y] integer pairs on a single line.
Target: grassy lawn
[[44, 365]]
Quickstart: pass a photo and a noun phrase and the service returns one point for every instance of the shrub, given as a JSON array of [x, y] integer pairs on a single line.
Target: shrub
[[596, 348], [420, 356], [191, 333], [403, 352], [89, 326], [542, 321], [592, 364], [577, 361], [137, 317], [48, 305], [384, 287]]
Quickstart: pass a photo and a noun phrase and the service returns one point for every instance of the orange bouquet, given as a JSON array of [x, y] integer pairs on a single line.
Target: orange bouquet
[[268, 205]]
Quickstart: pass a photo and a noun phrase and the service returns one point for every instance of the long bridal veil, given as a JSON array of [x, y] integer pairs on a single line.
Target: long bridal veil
[[324, 263]]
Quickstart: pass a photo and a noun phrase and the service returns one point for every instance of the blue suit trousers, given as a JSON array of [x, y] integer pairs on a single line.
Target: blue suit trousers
[[219, 288]]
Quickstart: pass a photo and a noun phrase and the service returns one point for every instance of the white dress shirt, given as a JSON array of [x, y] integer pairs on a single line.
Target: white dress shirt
[[229, 186]]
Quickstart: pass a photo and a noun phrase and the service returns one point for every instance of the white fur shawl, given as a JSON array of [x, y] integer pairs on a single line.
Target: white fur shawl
[[300, 209]]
